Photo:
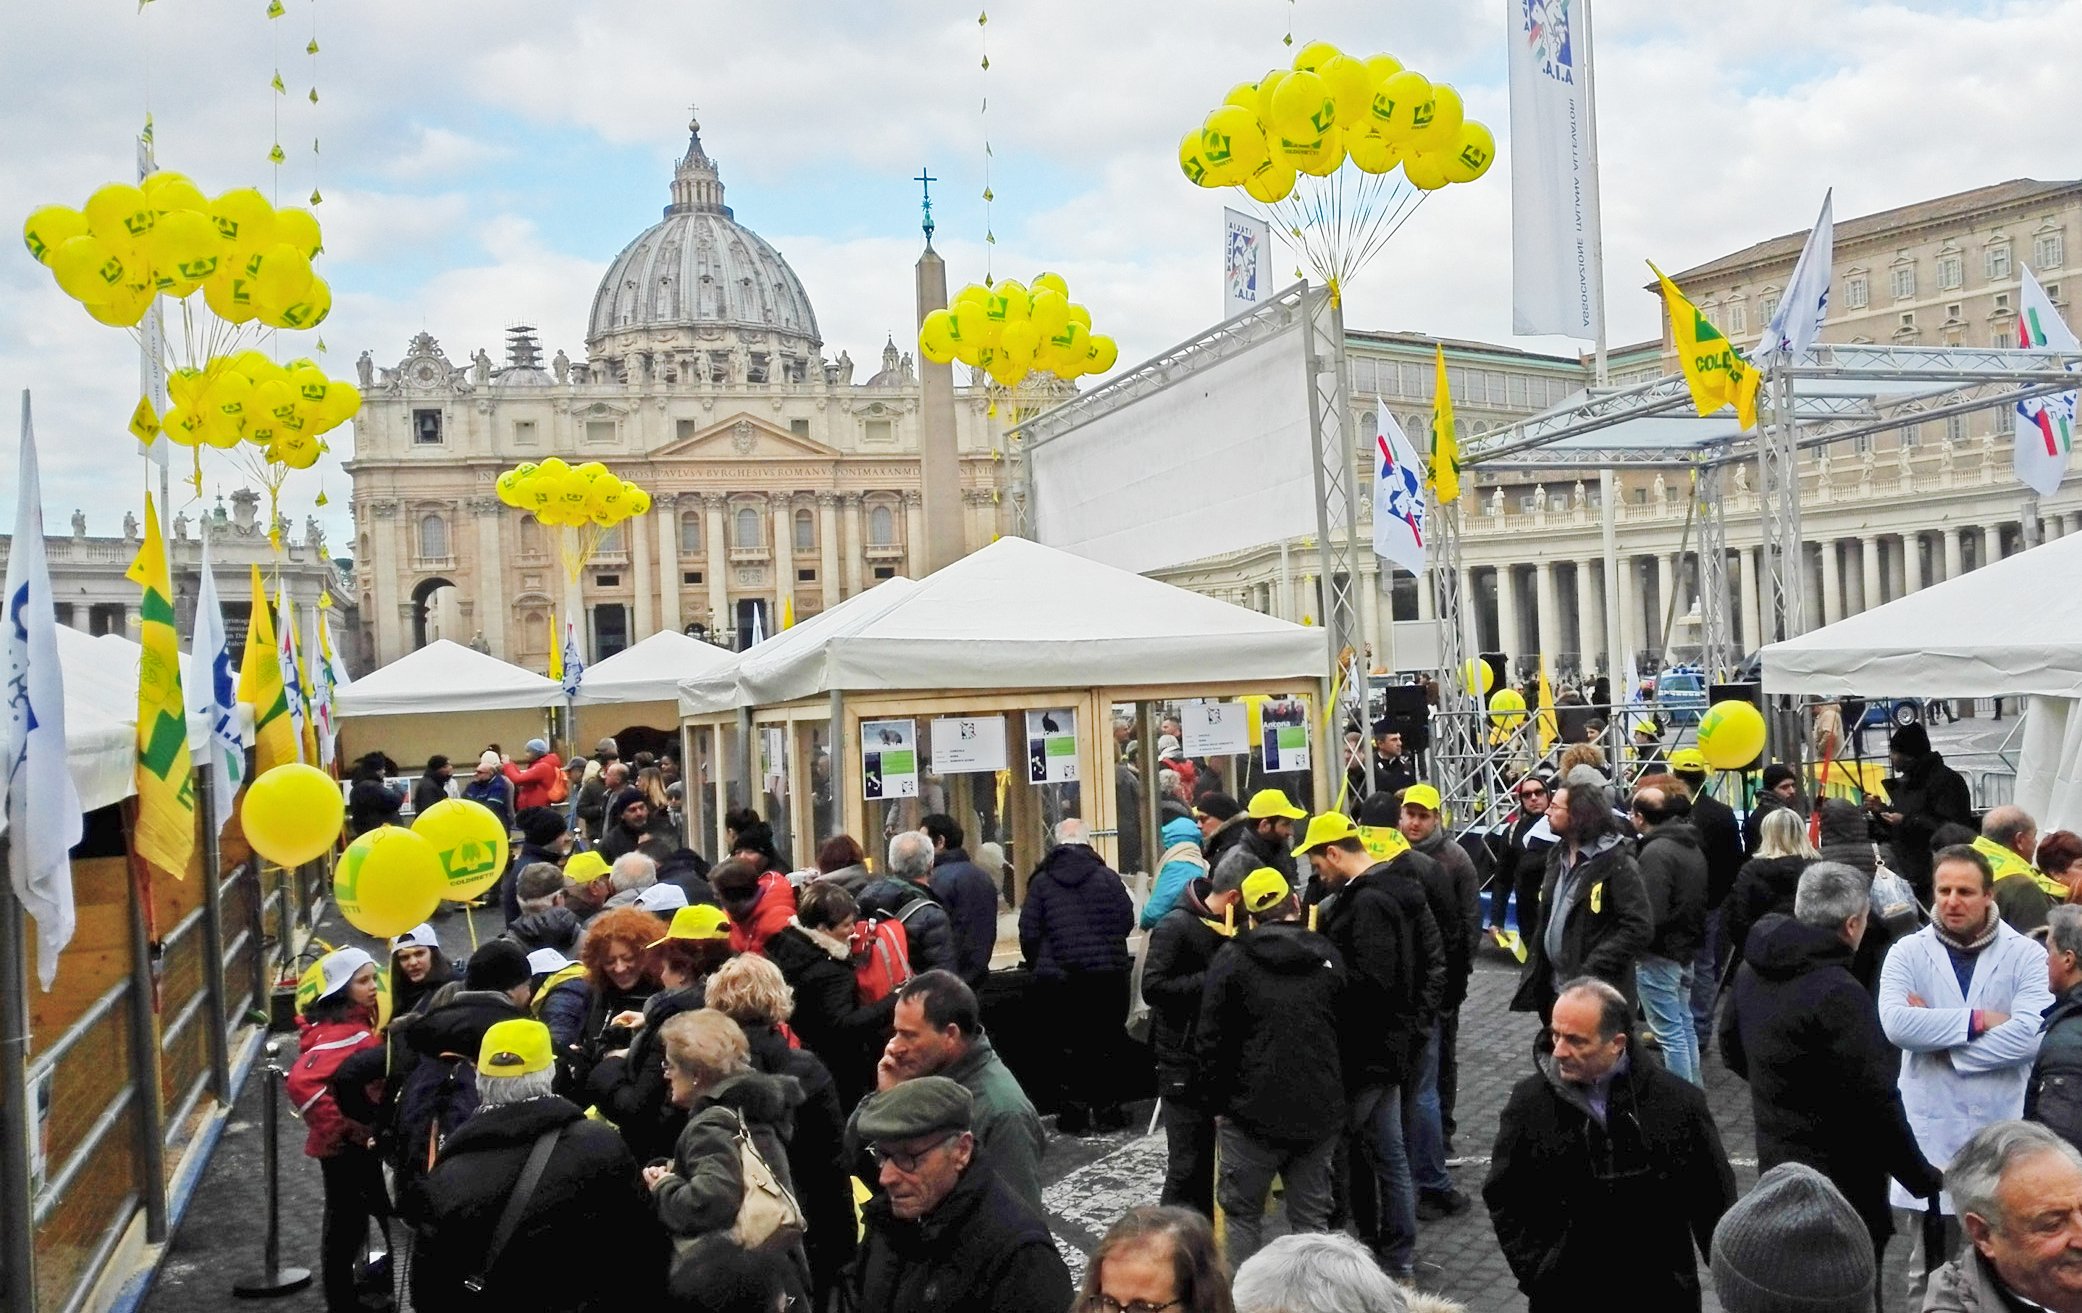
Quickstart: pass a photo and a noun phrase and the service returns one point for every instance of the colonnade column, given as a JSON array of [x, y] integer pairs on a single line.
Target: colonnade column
[[1507, 614], [1668, 599], [1629, 612], [1753, 635], [1549, 619], [392, 619], [1427, 596], [1875, 591], [1590, 617], [1367, 584], [1832, 583], [1912, 562]]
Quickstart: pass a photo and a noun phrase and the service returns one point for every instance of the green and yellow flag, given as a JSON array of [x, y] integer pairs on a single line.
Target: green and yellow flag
[[1445, 445], [260, 686], [165, 781], [1716, 372]]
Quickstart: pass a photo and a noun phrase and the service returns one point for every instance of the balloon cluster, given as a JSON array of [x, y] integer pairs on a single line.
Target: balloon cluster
[[281, 409], [556, 493], [1330, 107], [1010, 329], [129, 245]]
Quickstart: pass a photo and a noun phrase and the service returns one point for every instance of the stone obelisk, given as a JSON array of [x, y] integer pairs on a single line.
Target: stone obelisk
[[939, 462]]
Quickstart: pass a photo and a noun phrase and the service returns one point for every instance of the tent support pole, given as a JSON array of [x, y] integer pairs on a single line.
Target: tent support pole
[[213, 937], [18, 1238], [840, 788], [747, 773], [1146, 741]]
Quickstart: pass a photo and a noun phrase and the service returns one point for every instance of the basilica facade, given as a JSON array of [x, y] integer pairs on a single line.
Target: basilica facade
[[780, 484]]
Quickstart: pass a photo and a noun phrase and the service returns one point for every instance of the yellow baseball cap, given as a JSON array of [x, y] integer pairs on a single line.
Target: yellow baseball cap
[[1265, 889], [1268, 803], [586, 866], [1421, 795], [701, 921], [1326, 829], [1645, 725], [1689, 760], [518, 1047]]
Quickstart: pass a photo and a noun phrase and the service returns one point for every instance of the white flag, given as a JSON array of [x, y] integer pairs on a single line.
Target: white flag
[[285, 661], [574, 664], [2045, 426], [213, 694], [758, 630], [1557, 274], [1798, 320], [43, 808], [1399, 506], [322, 727]]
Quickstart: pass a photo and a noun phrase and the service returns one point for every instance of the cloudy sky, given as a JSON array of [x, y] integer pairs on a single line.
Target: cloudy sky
[[482, 163]]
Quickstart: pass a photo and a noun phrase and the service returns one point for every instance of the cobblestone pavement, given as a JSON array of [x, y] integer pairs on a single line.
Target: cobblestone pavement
[[1089, 1181]]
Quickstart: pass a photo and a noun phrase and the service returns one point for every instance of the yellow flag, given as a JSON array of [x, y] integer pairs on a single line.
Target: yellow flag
[[165, 779], [260, 685], [1445, 445], [788, 612], [1549, 732], [1713, 368], [556, 648], [144, 421]]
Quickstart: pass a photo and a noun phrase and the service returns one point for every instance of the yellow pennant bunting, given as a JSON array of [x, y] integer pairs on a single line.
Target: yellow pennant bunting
[[275, 9], [276, 156], [260, 686], [165, 833], [144, 421], [1714, 370]]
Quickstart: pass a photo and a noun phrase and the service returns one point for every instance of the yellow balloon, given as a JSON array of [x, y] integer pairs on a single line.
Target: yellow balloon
[[1050, 283], [244, 218], [88, 270], [1371, 151], [1301, 107], [1311, 57], [1051, 310], [186, 245], [182, 425], [222, 433], [1472, 154], [342, 403], [292, 814], [120, 215], [1438, 130], [229, 293], [1270, 181], [1232, 144], [1478, 674], [1425, 172], [309, 310], [1382, 67], [1507, 708], [965, 326], [1318, 156], [1080, 314], [313, 980], [1244, 95], [1351, 87], [299, 228], [1191, 162], [935, 339], [125, 309], [388, 881], [1100, 354], [508, 486], [50, 227], [1396, 102], [572, 490], [1267, 85], [281, 274], [639, 500], [171, 193], [975, 293], [470, 841], [1731, 735]]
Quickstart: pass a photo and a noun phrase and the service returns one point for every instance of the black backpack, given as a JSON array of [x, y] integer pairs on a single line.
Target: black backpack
[[439, 1094]]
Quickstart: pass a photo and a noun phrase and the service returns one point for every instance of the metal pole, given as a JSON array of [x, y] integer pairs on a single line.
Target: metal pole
[[273, 1279], [144, 1067], [1595, 206], [836, 739], [213, 937], [1615, 638], [1146, 748], [18, 1237]]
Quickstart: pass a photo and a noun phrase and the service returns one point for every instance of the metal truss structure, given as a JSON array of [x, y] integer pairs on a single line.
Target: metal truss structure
[[1337, 516]]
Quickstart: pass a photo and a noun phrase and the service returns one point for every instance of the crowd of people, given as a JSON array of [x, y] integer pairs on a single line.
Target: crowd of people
[[707, 1060]]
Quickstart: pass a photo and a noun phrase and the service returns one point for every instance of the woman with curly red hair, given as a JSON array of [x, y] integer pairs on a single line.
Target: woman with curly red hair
[[628, 1086], [621, 976]]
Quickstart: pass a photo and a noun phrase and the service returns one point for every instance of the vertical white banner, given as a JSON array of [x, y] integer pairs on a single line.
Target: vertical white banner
[[1246, 251], [1557, 284]]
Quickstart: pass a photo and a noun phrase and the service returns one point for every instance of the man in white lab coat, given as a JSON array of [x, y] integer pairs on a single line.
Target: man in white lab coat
[[1962, 999]]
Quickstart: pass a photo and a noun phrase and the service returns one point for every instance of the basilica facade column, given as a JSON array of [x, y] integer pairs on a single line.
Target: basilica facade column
[[717, 570], [646, 618], [856, 539], [665, 506], [393, 618], [1832, 583], [914, 533], [493, 595], [828, 544], [783, 559]]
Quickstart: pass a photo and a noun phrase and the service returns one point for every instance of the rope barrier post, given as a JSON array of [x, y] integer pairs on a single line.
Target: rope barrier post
[[273, 1279]]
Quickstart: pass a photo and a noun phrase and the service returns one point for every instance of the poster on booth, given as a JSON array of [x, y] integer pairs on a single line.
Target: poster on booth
[[888, 759], [963, 745], [1215, 729], [1283, 734], [1052, 746]]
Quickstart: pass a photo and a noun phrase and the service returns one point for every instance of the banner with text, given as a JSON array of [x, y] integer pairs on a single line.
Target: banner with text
[[1557, 284], [1246, 262]]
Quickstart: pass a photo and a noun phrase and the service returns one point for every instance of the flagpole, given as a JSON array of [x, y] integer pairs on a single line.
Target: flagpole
[[1596, 204], [17, 1200]]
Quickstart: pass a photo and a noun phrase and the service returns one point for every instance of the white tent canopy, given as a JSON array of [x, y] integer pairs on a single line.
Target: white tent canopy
[[445, 676], [1020, 615], [651, 671], [101, 714], [723, 689], [2010, 629]]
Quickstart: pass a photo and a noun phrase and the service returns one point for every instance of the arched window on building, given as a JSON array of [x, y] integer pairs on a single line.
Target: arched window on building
[[805, 531], [881, 527], [747, 534], [433, 537], [690, 533]]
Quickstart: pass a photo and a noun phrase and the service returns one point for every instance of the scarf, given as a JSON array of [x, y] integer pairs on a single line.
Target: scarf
[[1984, 937]]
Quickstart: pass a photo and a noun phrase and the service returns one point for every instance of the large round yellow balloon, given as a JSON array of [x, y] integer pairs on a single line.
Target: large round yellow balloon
[[1478, 674], [388, 881], [1398, 101], [1507, 708], [1270, 181], [292, 814], [1472, 154], [1731, 735], [469, 839], [1302, 106], [313, 980]]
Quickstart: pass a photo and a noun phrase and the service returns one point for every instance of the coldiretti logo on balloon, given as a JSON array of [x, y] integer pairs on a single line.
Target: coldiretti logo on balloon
[[468, 860], [347, 879]]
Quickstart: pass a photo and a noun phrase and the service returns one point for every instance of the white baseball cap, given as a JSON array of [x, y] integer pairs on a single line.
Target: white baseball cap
[[662, 898], [336, 968], [419, 936], [544, 961]]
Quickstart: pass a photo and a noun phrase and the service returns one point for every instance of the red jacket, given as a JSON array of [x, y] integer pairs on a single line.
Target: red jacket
[[323, 1047], [776, 906], [534, 781]]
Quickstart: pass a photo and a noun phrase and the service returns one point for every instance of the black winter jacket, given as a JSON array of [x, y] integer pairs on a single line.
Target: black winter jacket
[[829, 1018], [1822, 1078], [1441, 848], [1174, 976], [928, 931], [2054, 1096], [1615, 1208], [983, 1250], [971, 899], [1077, 916], [1399, 966], [1674, 875], [1764, 885], [552, 927], [1251, 850], [1604, 927], [1271, 1031], [1926, 795], [590, 1175], [1720, 838], [631, 1091], [816, 1156]]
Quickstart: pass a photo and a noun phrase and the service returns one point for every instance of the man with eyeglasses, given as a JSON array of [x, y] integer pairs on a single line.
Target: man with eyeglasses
[[943, 1232], [1608, 1171], [1521, 860]]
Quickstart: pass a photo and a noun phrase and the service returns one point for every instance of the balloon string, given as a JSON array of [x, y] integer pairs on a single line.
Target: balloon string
[[470, 919]]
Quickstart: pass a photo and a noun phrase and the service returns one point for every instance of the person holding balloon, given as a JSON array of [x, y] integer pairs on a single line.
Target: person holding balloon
[[341, 1022]]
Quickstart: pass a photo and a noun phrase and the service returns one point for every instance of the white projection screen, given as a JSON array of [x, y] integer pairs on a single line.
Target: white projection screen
[[1217, 461]]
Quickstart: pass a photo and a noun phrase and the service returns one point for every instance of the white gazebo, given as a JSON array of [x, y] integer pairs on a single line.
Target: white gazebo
[[444, 698], [639, 685]]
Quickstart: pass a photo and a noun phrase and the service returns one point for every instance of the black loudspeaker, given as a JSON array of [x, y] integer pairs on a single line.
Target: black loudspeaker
[[1404, 708], [1750, 693], [1496, 663]]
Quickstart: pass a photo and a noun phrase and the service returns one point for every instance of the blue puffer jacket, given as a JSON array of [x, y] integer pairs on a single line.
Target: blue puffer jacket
[[1176, 874], [1077, 915]]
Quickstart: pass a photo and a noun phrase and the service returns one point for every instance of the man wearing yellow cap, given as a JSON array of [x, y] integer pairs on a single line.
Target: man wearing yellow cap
[[1268, 831], [1392, 946], [527, 1151]]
